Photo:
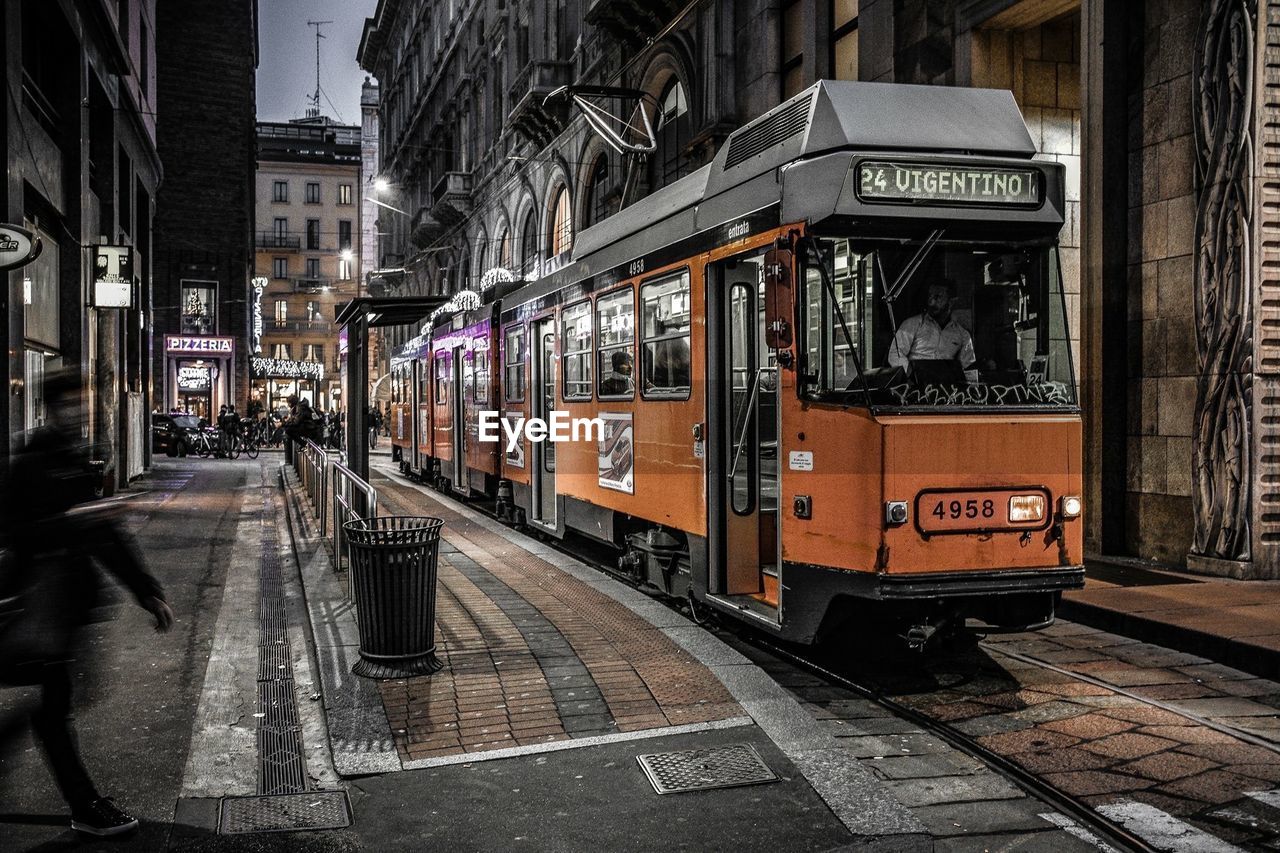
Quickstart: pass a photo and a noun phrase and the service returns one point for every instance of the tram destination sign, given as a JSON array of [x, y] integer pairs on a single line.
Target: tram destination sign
[[896, 183]]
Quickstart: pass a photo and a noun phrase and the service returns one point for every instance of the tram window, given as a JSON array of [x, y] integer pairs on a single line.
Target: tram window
[[931, 323], [515, 354], [480, 393], [666, 363], [444, 370], [575, 339], [616, 332]]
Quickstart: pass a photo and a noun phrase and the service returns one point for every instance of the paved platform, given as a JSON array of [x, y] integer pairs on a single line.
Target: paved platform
[[1235, 623], [558, 677]]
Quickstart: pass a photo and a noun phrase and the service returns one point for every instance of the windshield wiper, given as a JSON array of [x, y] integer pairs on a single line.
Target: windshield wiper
[[830, 288], [893, 291]]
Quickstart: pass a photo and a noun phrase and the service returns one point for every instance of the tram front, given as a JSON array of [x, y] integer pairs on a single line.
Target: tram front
[[933, 447]]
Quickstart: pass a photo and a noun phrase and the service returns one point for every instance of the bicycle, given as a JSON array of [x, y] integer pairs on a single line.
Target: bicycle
[[245, 441], [204, 443]]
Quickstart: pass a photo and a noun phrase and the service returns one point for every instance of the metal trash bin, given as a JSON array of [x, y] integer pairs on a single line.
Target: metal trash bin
[[393, 580]]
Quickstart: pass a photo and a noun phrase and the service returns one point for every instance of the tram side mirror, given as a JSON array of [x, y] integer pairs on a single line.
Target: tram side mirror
[[778, 298]]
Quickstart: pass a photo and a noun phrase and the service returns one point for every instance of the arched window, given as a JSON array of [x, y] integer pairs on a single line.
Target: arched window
[[597, 207], [560, 238], [481, 263], [529, 244], [671, 131], [504, 249]]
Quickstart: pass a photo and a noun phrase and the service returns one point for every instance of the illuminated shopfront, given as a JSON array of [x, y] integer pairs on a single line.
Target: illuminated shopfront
[[198, 373], [277, 379]]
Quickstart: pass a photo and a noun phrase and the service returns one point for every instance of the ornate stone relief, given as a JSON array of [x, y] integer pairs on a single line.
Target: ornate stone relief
[[1223, 104]]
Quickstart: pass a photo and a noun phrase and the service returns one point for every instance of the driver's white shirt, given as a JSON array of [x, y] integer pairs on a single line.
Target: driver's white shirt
[[921, 337]]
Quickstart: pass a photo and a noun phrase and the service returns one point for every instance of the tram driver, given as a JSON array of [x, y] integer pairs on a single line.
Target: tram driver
[[934, 335]]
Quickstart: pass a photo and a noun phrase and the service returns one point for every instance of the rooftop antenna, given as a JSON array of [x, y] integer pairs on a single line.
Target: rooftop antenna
[[314, 111]]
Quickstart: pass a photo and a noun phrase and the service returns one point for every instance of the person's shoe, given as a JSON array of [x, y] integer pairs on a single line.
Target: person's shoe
[[102, 817]]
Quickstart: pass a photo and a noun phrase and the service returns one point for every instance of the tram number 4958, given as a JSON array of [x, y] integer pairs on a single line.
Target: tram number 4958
[[971, 508]]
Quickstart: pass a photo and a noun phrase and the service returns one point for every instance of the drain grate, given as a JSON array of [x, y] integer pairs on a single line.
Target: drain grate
[[703, 769], [284, 812]]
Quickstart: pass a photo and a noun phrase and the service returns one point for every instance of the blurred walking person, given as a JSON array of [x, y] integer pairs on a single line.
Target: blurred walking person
[[48, 588]]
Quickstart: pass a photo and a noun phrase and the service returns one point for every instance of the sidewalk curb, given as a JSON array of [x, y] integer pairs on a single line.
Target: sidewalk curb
[[1239, 654]]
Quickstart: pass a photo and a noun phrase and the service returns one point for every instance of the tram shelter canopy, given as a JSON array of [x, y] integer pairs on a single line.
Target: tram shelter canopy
[[357, 317]]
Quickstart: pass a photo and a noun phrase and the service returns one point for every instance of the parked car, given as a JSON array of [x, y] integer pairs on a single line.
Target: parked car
[[174, 435]]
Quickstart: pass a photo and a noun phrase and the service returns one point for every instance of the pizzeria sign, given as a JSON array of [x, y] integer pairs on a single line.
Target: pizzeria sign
[[203, 344]]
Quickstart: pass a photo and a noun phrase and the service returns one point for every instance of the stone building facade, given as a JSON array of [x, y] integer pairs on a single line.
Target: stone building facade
[[79, 136], [308, 257], [207, 57], [1160, 111]]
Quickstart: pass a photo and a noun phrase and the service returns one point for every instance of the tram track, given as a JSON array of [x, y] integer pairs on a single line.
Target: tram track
[[917, 712]]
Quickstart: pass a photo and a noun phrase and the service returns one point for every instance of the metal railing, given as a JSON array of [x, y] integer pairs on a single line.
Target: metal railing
[[336, 493], [346, 485]]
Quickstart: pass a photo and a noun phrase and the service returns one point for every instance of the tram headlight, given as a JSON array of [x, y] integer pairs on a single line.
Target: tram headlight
[[1071, 506], [895, 512], [1024, 508]]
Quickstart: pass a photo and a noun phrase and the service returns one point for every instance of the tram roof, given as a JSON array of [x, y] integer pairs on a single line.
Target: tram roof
[[812, 135], [828, 116]]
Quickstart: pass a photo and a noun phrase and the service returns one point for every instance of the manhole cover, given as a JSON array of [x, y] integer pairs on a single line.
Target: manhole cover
[[702, 769], [284, 812]]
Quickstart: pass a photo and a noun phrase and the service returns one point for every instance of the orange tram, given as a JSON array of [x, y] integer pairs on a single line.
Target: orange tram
[[831, 375]]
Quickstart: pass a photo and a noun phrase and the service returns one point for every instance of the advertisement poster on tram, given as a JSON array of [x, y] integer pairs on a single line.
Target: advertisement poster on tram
[[616, 456]]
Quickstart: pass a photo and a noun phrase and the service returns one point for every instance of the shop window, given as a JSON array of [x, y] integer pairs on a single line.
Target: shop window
[[514, 355], [844, 39], [615, 336], [344, 193], [280, 191], [313, 192], [279, 267], [666, 367], [575, 343]]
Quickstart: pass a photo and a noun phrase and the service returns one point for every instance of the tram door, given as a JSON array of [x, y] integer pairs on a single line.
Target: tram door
[[543, 391], [459, 425], [417, 403], [744, 431]]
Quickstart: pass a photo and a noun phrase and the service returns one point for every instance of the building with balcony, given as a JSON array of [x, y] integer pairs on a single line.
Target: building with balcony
[[308, 256], [1162, 112], [80, 147]]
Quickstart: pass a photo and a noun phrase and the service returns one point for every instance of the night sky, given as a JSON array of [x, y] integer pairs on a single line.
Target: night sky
[[287, 63]]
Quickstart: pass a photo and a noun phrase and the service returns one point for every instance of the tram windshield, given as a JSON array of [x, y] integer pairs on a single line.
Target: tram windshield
[[927, 323]]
